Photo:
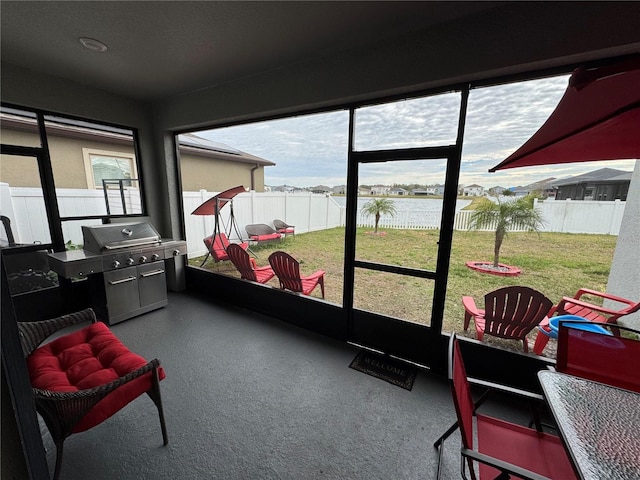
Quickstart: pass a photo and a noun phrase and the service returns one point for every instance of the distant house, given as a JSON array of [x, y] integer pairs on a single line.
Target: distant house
[[380, 190], [604, 184], [474, 190], [320, 189], [398, 191], [497, 190], [420, 191], [339, 190], [544, 187], [436, 189]]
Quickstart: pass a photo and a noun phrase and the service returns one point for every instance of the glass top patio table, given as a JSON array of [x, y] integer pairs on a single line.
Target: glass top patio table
[[600, 425]]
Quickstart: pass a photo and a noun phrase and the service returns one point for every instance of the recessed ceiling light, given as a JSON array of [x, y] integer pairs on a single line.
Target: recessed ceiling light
[[92, 44]]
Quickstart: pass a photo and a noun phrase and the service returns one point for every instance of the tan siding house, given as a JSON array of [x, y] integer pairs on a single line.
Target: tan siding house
[[74, 149]]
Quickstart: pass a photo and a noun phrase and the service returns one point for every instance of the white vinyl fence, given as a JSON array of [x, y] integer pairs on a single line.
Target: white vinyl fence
[[568, 216], [307, 211]]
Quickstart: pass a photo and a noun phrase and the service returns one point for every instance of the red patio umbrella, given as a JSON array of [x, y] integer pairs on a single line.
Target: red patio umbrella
[[598, 118]]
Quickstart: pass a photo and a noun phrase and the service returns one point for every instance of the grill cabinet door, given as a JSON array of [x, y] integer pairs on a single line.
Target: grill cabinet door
[[152, 284], [121, 289]]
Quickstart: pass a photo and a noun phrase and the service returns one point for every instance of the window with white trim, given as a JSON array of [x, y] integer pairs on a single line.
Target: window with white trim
[[111, 166]]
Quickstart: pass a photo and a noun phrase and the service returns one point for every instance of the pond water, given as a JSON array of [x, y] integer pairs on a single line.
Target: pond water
[[411, 212]]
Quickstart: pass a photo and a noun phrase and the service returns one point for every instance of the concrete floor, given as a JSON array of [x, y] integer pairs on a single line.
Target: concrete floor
[[250, 397]]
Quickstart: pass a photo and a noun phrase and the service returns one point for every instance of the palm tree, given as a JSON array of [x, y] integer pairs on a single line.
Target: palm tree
[[505, 215], [378, 207]]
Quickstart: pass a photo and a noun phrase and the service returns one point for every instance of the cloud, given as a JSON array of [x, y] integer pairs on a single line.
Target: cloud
[[312, 149]]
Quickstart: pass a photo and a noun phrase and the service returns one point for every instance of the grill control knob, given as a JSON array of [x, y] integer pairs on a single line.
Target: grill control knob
[[155, 257], [176, 253], [115, 264], [143, 259], [130, 261]]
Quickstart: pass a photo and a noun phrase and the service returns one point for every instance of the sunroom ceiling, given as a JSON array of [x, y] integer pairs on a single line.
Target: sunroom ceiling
[[164, 48]]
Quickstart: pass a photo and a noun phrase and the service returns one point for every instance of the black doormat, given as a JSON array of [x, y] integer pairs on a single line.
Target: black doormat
[[385, 368]]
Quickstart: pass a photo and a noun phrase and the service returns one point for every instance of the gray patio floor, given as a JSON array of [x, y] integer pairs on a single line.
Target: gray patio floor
[[250, 397]]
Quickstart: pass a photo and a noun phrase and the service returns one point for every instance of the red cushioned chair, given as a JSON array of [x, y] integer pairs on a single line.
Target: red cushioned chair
[[287, 270], [504, 449], [82, 378], [284, 228], [217, 246], [247, 265], [598, 356], [596, 313], [261, 232], [509, 312]]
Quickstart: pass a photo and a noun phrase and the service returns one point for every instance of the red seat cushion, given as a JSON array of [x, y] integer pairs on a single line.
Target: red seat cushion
[[539, 452], [264, 238], [85, 359]]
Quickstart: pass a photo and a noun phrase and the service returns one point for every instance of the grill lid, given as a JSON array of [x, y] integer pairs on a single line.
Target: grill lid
[[102, 238]]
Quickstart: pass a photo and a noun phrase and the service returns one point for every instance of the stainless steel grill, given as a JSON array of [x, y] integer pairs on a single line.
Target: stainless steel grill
[[125, 265]]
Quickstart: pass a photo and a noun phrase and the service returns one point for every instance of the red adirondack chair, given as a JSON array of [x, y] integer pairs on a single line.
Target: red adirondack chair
[[218, 244], [589, 311], [247, 265], [287, 270], [510, 312]]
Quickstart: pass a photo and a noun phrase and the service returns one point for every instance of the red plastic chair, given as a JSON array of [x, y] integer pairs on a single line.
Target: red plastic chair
[[510, 312], [287, 270], [247, 265], [503, 448], [81, 379], [595, 313], [598, 356], [217, 246]]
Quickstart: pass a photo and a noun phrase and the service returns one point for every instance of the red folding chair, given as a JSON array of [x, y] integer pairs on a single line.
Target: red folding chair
[[504, 449], [600, 357]]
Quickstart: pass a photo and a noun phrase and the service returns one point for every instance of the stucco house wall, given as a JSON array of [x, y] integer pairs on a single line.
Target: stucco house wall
[[211, 171]]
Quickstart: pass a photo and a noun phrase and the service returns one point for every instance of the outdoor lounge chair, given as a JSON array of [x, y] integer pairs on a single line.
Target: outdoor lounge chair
[[509, 312], [218, 247], [594, 313], [261, 232], [504, 449], [81, 379], [247, 265], [284, 228], [287, 270]]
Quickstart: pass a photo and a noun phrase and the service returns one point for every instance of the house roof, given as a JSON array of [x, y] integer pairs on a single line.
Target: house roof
[[194, 144], [600, 175]]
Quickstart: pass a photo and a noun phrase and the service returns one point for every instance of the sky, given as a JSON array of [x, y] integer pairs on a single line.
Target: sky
[[311, 150]]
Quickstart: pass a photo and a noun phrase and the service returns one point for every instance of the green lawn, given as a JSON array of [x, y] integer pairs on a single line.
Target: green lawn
[[557, 264]]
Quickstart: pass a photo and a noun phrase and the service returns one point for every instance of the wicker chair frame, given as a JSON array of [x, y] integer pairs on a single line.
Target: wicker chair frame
[[62, 411]]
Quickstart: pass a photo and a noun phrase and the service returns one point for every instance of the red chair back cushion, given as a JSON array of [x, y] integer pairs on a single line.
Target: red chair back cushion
[[602, 358], [85, 359]]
